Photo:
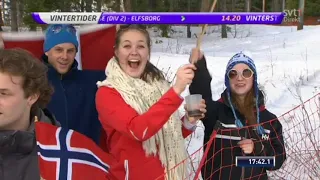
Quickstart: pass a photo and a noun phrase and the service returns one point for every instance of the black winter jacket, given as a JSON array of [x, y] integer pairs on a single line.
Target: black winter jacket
[[18, 153], [220, 162]]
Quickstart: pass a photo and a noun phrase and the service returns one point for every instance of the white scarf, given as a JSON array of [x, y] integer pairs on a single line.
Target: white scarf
[[141, 95]]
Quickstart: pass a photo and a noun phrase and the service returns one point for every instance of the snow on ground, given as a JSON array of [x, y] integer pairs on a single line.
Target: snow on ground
[[288, 64]]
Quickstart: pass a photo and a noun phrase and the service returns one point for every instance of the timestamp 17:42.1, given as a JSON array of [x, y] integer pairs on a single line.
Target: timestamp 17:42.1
[[255, 161]]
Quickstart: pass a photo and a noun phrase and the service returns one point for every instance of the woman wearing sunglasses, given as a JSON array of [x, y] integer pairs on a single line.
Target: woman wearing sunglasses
[[244, 126]]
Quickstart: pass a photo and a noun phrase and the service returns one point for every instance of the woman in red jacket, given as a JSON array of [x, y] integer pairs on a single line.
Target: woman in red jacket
[[139, 111]]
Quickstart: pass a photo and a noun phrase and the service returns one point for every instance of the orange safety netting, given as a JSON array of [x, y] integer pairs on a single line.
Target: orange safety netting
[[297, 158]]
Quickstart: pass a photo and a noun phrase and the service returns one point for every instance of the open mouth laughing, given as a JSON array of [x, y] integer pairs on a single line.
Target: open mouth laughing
[[134, 63]]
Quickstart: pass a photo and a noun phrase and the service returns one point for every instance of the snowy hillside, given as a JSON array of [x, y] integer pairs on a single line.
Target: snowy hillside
[[288, 62]]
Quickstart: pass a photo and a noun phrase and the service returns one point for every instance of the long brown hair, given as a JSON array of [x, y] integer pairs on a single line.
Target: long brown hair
[[150, 71], [247, 108]]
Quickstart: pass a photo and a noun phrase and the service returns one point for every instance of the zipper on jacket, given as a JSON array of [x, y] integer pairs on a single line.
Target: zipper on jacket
[[65, 102]]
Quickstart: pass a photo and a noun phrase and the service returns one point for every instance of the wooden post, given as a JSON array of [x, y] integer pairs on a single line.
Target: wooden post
[[205, 26]]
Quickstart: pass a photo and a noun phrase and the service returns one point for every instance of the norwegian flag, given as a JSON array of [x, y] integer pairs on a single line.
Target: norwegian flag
[[68, 155], [95, 44]]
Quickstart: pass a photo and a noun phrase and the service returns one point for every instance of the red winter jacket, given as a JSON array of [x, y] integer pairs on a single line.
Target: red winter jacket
[[125, 132]]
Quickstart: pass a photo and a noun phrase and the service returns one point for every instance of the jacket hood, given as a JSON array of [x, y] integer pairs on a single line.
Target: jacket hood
[[23, 142], [43, 115]]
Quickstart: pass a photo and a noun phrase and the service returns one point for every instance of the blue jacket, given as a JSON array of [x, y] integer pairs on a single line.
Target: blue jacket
[[73, 101]]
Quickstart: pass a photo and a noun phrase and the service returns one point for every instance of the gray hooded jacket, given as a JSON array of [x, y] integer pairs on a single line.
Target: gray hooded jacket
[[18, 151]]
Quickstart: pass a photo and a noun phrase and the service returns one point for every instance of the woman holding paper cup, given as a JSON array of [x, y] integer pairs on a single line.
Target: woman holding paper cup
[[139, 111], [241, 104]]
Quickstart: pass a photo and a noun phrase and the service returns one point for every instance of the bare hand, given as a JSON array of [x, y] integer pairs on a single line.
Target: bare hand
[[196, 55], [185, 75], [202, 108], [246, 145]]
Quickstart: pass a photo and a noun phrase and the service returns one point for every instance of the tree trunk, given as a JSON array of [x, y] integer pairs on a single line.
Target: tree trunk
[[122, 8], [150, 5], [171, 8], [248, 6], [233, 5], [117, 5], [99, 5], [82, 5], [205, 5], [301, 20], [188, 26], [1, 19], [14, 15], [224, 26], [127, 5], [88, 6], [276, 6], [20, 12], [283, 5], [263, 5], [65, 6]]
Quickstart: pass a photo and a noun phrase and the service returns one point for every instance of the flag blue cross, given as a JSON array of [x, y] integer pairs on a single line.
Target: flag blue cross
[[65, 155]]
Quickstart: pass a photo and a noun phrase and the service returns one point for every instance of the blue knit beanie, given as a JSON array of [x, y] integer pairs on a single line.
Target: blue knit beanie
[[236, 59], [58, 34]]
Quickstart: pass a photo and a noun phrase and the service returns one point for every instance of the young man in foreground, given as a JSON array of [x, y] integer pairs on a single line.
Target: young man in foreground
[[24, 91]]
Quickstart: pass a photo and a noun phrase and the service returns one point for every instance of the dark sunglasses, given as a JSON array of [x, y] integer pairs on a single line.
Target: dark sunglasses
[[58, 27], [132, 26], [246, 73]]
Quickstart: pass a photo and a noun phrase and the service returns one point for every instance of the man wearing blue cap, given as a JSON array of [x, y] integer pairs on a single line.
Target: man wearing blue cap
[[73, 101]]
